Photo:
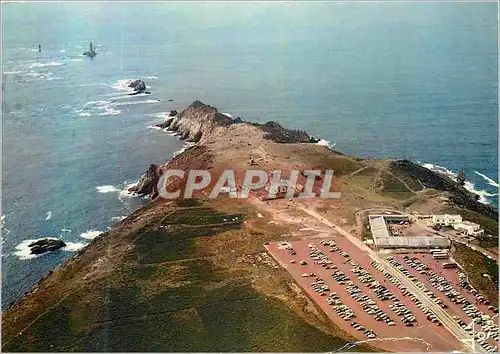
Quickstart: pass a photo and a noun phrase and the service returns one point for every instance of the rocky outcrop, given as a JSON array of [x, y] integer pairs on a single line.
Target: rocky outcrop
[[46, 245], [275, 132], [165, 124], [148, 182], [196, 120], [458, 194], [138, 86]]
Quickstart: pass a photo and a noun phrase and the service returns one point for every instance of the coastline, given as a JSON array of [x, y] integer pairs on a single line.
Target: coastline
[[191, 134], [135, 242]]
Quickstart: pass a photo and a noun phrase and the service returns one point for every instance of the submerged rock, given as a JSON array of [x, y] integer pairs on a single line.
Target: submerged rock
[[46, 245]]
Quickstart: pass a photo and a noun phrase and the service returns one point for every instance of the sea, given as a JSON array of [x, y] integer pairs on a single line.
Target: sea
[[414, 80]]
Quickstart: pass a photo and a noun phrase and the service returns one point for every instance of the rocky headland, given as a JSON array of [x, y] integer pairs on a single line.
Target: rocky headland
[[192, 274]]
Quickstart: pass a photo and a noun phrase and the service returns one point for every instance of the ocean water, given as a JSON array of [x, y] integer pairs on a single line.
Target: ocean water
[[380, 80]]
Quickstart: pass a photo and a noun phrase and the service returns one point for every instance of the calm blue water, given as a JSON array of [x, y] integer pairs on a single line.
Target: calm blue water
[[412, 80]]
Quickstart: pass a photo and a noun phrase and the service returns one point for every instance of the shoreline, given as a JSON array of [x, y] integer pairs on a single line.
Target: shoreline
[[180, 133], [160, 233]]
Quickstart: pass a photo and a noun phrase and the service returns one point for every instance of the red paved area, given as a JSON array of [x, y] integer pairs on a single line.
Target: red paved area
[[451, 276], [424, 336]]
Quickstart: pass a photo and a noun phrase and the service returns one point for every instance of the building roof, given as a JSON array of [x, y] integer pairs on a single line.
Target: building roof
[[412, 242], [469, 223], [454, 216], [378, 227], [384, 239]]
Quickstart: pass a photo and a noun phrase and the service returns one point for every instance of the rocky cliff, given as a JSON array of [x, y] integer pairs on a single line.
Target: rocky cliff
[[458, 194], [200, 119]]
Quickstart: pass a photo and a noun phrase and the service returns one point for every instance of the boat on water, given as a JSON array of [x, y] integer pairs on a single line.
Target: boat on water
[[91, 52]]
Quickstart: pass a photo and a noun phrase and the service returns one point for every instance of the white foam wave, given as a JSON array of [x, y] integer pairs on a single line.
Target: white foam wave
[[121, 192], [103, 106], [107, 189], [490, 181], [90, 234], [97, 103], [65, 230], [15, 72], [326, 143], [125, 193], [118, 218], [73, 246], [151, 77], [154, 127], [467, 185], [227, 114], [63, 51], [160, 115], [40, 75], [128, 96], [74, 59], [134, 102], [43, 65], [110, 112], [95, 84], [48, 215], [122, 85]]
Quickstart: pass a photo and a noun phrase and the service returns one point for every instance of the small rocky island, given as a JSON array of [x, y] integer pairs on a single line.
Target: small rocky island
[[139, 86]]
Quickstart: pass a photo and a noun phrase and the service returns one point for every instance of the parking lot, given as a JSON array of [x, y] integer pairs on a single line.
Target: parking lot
[[452, 289], [361, 300]]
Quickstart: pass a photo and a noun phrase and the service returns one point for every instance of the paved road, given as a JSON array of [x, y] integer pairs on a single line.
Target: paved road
[[443, 316]]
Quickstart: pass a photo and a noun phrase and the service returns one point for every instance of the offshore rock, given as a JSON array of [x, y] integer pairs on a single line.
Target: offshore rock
[[46, 245], [138, 86]]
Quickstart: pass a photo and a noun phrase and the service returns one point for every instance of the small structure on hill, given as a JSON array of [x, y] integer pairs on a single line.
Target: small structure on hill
[[469, 228], [446, 219]]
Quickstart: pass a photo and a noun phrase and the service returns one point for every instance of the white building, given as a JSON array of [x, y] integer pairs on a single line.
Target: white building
[[279, 188], [470, 228], [446, 219]]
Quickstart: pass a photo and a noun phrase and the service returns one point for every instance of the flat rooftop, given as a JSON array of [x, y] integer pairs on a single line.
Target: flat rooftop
[[384, 239]]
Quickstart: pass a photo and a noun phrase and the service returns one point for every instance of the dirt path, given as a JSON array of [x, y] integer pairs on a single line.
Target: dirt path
[[406, 185]]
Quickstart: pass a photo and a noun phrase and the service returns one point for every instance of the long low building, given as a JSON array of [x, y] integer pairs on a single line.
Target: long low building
[[383, 238], [412, 242]]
